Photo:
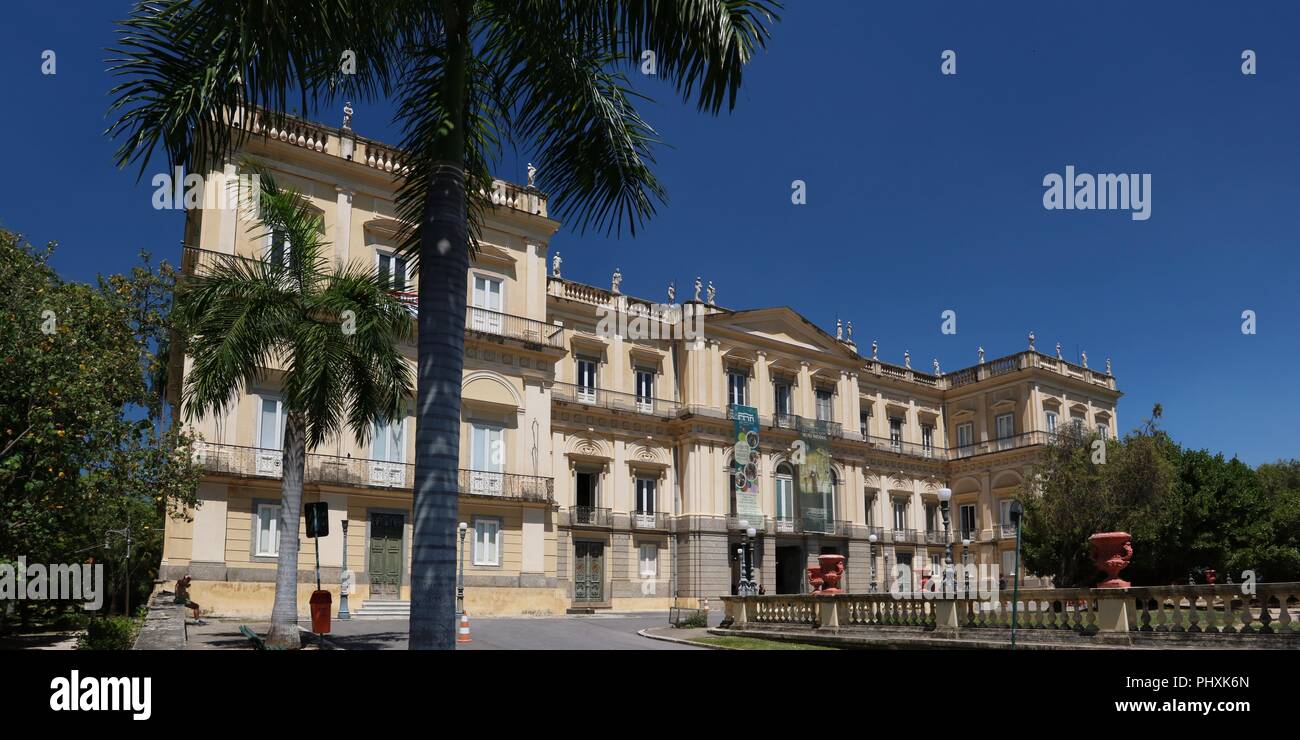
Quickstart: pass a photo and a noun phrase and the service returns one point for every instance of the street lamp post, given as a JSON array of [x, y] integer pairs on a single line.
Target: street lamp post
[[345, 584], [1016, 511], [460, 575], [750, 533], [872, 539], [945, 494], [965, 563]]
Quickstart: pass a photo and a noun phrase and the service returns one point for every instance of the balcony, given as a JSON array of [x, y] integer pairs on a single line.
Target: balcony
[[505, 485], [493, 324], [589, 516], [614, 400], [935, 537], [259, 462], [786, 525], [802, 425], [1007, 531], [903, 536], [648, 520], [911, 449], [879, 532]]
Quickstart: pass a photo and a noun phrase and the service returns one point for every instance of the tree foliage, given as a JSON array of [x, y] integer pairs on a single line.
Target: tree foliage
[[1186, 509], [84, 443]]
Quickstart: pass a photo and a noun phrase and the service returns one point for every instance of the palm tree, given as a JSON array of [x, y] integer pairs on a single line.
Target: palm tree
[[467, 75], [243, 317]]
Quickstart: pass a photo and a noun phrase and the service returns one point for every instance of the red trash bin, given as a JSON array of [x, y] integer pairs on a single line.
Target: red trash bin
[[320, 612]]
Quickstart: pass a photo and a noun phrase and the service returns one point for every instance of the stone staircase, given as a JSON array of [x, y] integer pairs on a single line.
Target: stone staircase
[[383, 609]]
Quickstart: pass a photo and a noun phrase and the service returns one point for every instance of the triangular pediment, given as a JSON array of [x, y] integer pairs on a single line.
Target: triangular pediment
[[780, 325]]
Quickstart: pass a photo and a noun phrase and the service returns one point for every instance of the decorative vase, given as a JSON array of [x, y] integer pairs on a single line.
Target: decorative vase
[[1111, 552], [827, 576]]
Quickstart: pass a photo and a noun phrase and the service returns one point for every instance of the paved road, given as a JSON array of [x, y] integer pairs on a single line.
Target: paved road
[[595, 632]]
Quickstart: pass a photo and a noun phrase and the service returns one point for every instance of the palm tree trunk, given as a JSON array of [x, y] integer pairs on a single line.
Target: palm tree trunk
[[444, 267], [284, 614]]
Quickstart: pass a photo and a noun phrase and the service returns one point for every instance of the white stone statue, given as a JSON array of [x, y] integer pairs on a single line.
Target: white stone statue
[[981, 355], [936, 367], [712, 293], [849, 328], [839, 330], [618, 280], [347, 115], [532, 175], [907, 359], [672, 292], [1058, 350], [1108, 366], [874, 356], [1084, 355], [555, 265], [698, 287], [1031, 341]]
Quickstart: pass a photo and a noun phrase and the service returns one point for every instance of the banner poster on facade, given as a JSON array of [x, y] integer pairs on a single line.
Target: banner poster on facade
[[815, 485], [745, 462]]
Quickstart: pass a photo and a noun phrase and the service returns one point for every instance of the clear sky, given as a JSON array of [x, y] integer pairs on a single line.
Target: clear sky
[[924, 191]]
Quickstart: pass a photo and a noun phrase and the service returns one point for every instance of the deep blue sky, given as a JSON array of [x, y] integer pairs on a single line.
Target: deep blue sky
[[924, 191]]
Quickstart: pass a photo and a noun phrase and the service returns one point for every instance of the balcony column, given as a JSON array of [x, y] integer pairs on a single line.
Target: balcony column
[[804, 393], [343, 225], [718, 376], [228, 225], [535, 284], [696, 376], [763, 387], [986, 511], [854, 403]]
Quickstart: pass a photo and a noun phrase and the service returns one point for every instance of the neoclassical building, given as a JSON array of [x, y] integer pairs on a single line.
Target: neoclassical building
[[597, 433]]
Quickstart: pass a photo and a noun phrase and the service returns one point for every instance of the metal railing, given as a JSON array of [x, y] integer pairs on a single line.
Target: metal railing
[[589, 516], [935, 537], [505, 485], [497, 324], [648, 520], [757, 522], [614, 400], [907, 536]]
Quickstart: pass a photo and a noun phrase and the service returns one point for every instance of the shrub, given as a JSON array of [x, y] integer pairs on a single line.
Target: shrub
[[109, 633]]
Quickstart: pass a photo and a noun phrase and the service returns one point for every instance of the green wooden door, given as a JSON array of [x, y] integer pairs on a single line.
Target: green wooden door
[[589, 572], [386, 555]]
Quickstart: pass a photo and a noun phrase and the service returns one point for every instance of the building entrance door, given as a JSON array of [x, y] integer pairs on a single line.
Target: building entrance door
[[589, 572], [386, 555], [789, 569]]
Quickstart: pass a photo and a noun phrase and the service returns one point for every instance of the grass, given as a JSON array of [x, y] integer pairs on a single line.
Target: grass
[[753, 643]]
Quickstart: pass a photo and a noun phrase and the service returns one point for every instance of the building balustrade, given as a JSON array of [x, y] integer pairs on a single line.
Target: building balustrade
[[935, 537], [614, 400], [757, 522], [1270, 615], [904, 536]]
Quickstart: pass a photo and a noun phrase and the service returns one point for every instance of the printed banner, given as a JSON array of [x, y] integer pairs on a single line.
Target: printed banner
[[815, 486], [745, 462]]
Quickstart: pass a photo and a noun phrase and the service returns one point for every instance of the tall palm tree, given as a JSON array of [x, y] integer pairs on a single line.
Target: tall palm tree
[[467, 75], [243, 317]]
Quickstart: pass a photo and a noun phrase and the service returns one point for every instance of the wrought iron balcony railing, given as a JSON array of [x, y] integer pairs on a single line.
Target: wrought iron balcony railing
[[497, 324], [614, 400], [589, 516], [757, 522], [934, 537], [648, 520], [903, 536], [259, 462]]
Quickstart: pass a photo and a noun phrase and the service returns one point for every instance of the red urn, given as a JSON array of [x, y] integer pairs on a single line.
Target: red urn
[[1111, 552], [825, 578]]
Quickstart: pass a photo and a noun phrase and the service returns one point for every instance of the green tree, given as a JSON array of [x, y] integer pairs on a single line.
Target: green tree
[[467, 75], [82, 449], [245, 318]]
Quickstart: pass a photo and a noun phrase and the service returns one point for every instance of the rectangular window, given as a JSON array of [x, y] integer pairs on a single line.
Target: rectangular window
[[645, 388], [784, 498], [388, 443], [645, 495], [1051, 422], [268, 531], [736, 387], [649, 560], [392, 271], [967, 517], [966, 436], [277, 249], [825, 409], [486, 311], [271, 424], [1103, 431], [900, 515], [864, 424], [487, 541], [927, 439], [895, 433], [1006, 427], [783, 398], [1009, 566], [932, 523], [936, 566], [586, 368], [487, 448]]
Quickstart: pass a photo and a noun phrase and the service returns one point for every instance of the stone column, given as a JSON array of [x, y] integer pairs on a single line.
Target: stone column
[[343, 225], [803, 395], [762, 393]]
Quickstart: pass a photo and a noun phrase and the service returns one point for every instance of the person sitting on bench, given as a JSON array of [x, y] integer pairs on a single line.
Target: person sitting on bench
[[183, 595]]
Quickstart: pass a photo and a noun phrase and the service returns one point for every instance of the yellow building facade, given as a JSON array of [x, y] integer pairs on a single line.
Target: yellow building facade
[[597, 433]]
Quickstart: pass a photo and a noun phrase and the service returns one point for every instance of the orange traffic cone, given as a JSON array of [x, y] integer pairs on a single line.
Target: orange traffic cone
[[462, 635]]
